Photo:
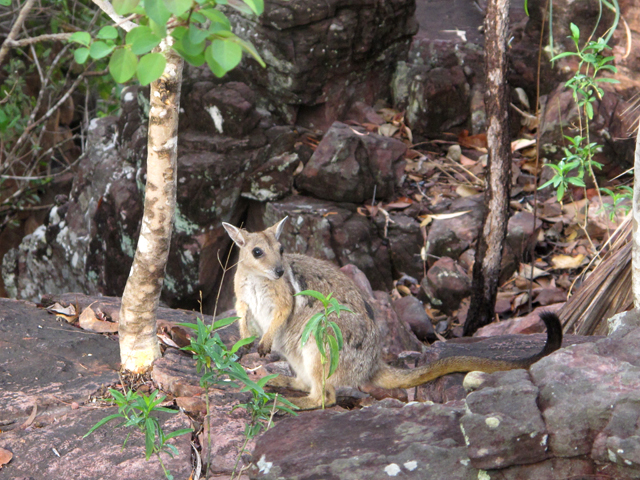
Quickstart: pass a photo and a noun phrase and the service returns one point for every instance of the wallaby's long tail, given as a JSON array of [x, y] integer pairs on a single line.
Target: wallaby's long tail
[[389, 377]]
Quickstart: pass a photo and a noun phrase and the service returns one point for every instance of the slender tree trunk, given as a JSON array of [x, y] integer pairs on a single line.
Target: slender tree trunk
[[138, 341], [635, 260], [486, 269]]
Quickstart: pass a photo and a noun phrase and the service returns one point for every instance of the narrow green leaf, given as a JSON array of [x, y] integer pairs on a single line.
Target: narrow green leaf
[[157, 12], [125, 7], [102, 422], [177, 7], [83, 38], [314, 294], [338, 333], [223, 322], [562, 55], [311, 325], [176, 433], [142, 40], [122, 65], [108, 33], [5, 3], [81, 54], [319, 335], [100, 50], [576, 181], [575, 31], [334, 352], [241, 343], [263, 381], [149, 436]]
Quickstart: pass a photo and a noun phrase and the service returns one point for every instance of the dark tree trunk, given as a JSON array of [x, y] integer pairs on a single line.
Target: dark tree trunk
[[486, 269]]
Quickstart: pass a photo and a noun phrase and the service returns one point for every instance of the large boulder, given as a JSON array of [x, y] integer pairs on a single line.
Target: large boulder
[[350, 165], [324, 56]]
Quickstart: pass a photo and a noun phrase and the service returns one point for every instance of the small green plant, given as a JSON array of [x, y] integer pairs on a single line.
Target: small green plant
[[326, 332], [136, 410], [585, 88], [219, 365], [620, 200]]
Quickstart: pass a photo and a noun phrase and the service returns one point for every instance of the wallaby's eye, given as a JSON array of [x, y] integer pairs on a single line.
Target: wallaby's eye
[[281, 249], [257, 252]]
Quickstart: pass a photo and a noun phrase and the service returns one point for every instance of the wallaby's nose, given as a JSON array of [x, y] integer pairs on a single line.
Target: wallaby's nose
[[279, 272]]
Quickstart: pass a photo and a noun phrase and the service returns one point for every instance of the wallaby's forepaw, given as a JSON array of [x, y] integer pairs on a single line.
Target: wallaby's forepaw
[[264, 349]]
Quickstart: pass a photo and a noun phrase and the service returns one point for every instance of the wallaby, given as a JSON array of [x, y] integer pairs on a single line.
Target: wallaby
[[265, 283]]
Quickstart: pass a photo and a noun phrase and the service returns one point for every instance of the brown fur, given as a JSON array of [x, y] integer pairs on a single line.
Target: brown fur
[[266, 307]]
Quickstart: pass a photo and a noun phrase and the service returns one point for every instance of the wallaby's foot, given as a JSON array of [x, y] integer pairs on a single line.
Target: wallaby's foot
[[243, 350], [314, 399], [264, 349], [288, 382]]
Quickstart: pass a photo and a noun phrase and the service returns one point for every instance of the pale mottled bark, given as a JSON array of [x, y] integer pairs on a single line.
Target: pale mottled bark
[[486, 270], [635, 262], [138, 342]]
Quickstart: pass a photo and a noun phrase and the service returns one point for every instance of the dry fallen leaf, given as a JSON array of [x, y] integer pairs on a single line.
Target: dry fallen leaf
[[441, 216], [561, 262], [521, 143], [478, 142], [466, 191], [89, 321], [68, 313], [466, 161], [525, 271], [5, 456]]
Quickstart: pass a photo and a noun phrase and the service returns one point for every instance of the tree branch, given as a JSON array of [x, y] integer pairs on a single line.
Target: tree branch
[[107, 8], [51, 37], [26, 8]]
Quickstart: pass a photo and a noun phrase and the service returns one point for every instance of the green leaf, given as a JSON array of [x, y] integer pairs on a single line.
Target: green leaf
[[310, 326], [158, 29], [545, 185], [216, 16], [197, 35], [83, 38], [177, 7], [334, 352], [122, 65], [575, 31], [241, 343], [257, 6], [81, 54], [142, 40], [99, 50], [157, 12], [108, 33], [319, 335], [248, 46], [102, 422], [314, 294], [338, 334], [227, 54], [562, 55], [150, 68], [5, 3], [577, 181], [214, 66], [263, 381], [124, 7], [149, 436], [223, 322], [182, 431]]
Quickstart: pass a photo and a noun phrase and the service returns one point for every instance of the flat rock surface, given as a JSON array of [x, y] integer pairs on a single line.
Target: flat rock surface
[[59, 369]]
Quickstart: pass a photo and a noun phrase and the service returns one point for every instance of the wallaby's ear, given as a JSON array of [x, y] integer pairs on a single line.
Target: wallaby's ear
[[235, 233], [279, 227]]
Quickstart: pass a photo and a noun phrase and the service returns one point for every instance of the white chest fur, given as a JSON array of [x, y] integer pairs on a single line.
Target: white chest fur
[[258, 296]]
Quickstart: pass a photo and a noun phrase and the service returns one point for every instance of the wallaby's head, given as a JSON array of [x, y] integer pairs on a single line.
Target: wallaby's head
[[260, 252]]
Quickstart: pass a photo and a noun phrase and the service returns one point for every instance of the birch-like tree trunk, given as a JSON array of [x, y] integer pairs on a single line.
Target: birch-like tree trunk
[[486, 270], [635, 258], [138, 341]]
